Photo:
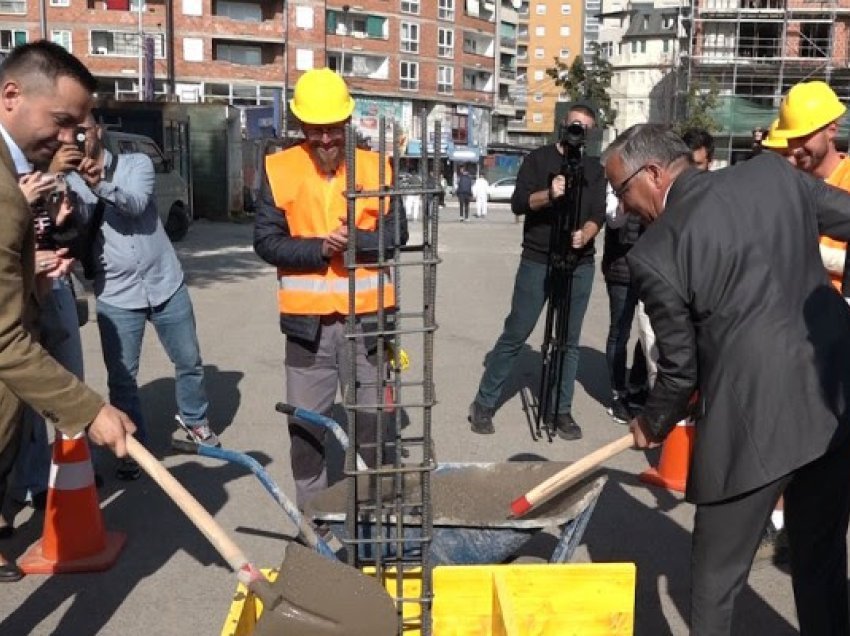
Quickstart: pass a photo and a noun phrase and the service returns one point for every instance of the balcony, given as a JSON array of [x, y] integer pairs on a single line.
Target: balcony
[[123, 43], [357, 25], [246, 11], [507, 73], [246, 53], [258, 21], [358, 65], [481, 9], [479, 44], [477, 80], [520, 123]]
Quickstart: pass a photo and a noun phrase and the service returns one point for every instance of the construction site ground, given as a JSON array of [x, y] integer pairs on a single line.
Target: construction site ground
[[170, 581]]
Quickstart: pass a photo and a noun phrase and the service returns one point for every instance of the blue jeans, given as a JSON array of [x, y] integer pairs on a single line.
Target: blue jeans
[[622, 301], [530, 294], [121, 332], [32, 467]]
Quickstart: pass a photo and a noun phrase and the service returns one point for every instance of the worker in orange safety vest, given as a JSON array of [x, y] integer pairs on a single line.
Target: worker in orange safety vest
[[302, 228]]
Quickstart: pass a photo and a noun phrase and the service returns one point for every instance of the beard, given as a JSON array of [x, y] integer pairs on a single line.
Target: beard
[[327, 158]]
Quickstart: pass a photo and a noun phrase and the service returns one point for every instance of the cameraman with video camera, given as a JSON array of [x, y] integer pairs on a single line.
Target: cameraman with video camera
[[540, 195]]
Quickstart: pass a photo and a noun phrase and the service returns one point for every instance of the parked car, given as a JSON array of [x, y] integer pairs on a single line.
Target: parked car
[[170, 189], [501, 189]]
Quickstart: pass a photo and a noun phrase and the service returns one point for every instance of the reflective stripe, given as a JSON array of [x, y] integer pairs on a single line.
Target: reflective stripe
[[71, 476], [326, 286]]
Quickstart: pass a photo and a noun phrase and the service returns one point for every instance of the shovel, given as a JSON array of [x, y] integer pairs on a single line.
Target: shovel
[[544, 491], [312, 595]]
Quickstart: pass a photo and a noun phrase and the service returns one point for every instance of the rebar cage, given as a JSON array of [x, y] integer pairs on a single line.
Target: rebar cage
[[389, 510]]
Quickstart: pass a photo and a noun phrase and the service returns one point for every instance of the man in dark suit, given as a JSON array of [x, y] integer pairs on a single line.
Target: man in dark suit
[[45, 93], [743, 312]]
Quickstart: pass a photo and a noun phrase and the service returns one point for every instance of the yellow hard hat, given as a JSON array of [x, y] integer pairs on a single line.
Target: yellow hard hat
[[807, 107], [321, 97], [772, 141]]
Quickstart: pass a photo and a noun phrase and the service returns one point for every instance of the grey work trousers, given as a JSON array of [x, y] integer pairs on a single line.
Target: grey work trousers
[[313, 373]]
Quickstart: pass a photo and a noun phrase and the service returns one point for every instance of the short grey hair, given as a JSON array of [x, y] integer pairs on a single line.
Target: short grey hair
[[647, 143]]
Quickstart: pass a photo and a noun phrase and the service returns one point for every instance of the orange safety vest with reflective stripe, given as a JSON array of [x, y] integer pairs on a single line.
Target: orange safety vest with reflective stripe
[[315, 206], [834, 252]]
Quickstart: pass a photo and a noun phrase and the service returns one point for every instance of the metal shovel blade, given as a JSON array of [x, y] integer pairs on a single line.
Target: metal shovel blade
[[337, 599]]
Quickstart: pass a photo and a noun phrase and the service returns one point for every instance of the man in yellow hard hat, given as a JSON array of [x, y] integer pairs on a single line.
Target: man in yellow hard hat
[[302, 228], [808, 124]]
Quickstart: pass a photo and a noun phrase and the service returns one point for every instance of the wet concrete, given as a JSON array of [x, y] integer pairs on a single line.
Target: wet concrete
[[321, 597], [465, 495]]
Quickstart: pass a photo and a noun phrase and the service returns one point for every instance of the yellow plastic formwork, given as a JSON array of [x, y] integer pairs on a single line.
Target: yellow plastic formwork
[[582, 599], [578, 599]]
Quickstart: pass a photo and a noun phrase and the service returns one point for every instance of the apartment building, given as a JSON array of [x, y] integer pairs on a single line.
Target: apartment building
[[643, 42], [753, 51], [548, 30], [399, 56]]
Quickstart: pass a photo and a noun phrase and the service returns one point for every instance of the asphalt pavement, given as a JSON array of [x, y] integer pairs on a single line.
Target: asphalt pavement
[[169, 580]]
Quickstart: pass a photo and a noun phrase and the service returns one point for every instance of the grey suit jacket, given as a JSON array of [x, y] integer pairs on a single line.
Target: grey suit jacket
[[744, 312], [27, 372]]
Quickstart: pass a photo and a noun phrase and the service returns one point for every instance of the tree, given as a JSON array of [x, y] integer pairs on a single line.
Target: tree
[[700, 106], [588, 82]]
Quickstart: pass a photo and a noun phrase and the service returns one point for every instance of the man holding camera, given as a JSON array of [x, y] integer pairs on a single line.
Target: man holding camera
[[540, 195], [137, 278], [45, 92]]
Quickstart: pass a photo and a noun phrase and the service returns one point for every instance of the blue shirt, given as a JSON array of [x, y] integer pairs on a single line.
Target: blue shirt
[[136, 266]]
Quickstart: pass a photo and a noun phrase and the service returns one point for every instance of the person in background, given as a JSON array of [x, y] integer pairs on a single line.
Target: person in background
[[463, 192], [479, 191], [701, 143], [539, 196]]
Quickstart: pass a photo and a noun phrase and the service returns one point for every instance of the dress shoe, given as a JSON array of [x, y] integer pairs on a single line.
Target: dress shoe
[[481, 418], [9, 573], [566, 427]]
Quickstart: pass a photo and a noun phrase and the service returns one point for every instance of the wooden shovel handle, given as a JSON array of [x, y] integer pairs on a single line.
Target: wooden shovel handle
[[189, 505], [560, 480]]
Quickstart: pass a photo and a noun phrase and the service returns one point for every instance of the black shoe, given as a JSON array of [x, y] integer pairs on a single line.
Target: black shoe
[[481, 418], [128, 470], [619, 411], [773, 546], [9, 573], [566, 427], [39, 500]]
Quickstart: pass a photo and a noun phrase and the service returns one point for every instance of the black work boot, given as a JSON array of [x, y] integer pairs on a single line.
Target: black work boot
[[566, 427], [481, 418]]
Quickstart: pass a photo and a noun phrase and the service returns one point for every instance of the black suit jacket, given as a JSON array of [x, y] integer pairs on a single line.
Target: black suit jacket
[[743, 311]]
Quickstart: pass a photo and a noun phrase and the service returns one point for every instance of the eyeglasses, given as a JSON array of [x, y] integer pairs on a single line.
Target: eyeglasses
[[624, 186], [317, 132]]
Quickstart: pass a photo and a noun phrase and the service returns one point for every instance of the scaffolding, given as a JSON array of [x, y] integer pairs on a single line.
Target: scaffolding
[[754, 51]]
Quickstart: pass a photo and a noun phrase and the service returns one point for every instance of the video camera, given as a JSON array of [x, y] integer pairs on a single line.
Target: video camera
[[573, 134]]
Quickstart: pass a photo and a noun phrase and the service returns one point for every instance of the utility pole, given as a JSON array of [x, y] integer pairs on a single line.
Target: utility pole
[[285, 108], [42, 18]]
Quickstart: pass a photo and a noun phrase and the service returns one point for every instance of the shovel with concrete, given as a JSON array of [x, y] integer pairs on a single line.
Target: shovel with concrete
[[312, 596]]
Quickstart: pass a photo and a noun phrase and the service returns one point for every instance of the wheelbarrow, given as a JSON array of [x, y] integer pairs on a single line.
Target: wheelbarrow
[[469, 504]]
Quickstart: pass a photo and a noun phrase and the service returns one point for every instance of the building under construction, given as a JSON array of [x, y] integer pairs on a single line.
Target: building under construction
[[753, 51]]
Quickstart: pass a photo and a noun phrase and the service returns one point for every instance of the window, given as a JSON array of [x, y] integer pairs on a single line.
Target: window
[[409, 37], [10, 38], [193, 7], [62, 38], [667, 22], [410, 6], [242, 11], [814, 39], [445, 43], [446, 10], [665, 46], [60, 3], [539, 75], [540, 9], [540, 31], [538, 53], [409, 76], [565, 31], [134, 5], [123, 43], [193, 49], [566, 9], [460, 128], [445, 79], [564, 53], [13, 6], [638, 46], [245, 54], [538, 97], [537, 118]]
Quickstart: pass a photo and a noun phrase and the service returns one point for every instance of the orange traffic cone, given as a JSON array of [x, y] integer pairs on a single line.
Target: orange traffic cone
[[74, 539], [672, 469]]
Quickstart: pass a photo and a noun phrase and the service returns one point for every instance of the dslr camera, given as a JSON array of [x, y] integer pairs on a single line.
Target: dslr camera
[[573, 134], [46, 211]]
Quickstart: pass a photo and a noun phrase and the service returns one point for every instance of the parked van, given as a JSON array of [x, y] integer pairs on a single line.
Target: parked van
[[170, 190]]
